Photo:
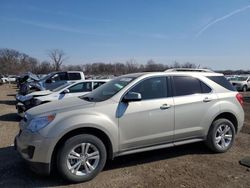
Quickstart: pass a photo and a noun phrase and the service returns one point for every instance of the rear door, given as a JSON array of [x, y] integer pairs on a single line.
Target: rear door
[[193, 99]]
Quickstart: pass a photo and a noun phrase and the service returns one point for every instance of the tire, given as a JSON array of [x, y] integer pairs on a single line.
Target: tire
[[244, 88], [67, 158], [216, 135]]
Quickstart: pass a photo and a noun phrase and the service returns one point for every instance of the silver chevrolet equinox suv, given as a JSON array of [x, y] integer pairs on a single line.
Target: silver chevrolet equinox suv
[[132, 113]]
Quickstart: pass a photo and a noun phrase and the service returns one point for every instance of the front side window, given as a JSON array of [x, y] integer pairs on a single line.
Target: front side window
[[55, 77], [63, 76], [61, 87], [81, 87], [152, 88], [187, 85]]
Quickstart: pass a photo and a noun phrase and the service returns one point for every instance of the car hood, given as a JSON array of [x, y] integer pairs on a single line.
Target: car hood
[[59, 106], [29, 75], [29, 96], [40, 93]]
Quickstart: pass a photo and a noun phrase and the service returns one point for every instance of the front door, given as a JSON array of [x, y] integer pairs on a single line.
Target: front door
[[150, 121]]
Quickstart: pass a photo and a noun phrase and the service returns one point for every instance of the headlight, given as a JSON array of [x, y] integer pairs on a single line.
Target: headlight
[[38, 123]]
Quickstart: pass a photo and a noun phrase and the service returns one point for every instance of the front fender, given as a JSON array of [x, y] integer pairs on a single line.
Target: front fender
[[60, 127]]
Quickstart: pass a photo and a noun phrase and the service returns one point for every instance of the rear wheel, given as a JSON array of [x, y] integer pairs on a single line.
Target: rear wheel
[[221, 135], [81, 158]]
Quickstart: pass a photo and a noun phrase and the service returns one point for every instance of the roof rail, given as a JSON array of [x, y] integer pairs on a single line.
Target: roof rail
[[187, 70]]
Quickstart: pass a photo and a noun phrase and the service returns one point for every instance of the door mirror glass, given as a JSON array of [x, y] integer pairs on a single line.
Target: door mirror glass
[[65, 91], [132, 96]]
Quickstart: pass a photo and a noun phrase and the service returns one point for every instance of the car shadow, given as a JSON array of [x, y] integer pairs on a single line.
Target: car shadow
[[11, 95], [10, 117], [15, 172], [8, 102], [157, 155]]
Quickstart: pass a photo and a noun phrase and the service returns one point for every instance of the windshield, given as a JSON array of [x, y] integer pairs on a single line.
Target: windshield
[[240, 78], [108, 89], [48, 76], [61, 87]]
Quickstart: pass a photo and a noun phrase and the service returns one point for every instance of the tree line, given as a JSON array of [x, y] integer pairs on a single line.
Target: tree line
[[15, 62]]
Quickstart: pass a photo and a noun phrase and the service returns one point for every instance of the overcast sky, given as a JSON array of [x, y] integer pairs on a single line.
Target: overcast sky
[[211, 33]]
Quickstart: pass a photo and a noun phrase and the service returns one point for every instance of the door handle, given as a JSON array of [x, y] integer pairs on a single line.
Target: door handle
[[165, 106], [206, 99]]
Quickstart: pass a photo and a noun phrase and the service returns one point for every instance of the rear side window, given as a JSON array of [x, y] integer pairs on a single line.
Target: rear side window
[[187, 85], [81, 87], [152, 88], [222, 81], [74, 76]]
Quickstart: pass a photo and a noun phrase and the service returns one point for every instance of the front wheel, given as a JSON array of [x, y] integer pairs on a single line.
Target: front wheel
[[221, 135], [81, 158]]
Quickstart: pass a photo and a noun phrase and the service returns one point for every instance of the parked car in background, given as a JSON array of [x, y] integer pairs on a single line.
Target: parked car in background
[[24, 83], [53, 80], [132, 113], [241, 83], [230, 77], [67, 90], [8, 79]]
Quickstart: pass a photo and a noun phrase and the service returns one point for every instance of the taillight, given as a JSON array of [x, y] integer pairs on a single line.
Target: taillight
[[240, 98]]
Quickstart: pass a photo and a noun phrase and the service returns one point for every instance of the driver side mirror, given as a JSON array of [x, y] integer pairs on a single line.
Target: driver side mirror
[[65, 91], [132, 96]]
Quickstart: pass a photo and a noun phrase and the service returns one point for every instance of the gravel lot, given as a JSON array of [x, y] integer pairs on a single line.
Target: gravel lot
[[190, 165]]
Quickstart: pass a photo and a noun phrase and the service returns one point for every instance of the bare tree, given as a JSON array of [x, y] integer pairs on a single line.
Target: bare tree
[[57, 57]]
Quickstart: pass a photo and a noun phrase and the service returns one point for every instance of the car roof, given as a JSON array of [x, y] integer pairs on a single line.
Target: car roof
[[97, 80], [173, 73]]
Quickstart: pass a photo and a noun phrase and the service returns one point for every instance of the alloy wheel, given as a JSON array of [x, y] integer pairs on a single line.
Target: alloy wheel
[[83, 159]]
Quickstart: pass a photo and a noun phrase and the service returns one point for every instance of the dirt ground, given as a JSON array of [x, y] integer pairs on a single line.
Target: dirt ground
[[190, 165]]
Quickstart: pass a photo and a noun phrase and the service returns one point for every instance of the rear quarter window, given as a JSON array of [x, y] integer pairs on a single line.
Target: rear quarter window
[[222, 81]]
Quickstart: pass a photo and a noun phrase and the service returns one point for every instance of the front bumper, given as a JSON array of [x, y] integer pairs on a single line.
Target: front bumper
[[36, 150]]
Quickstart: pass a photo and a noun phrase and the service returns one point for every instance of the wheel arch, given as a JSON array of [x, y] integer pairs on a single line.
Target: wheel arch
[[230, 116], [85, 130]]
